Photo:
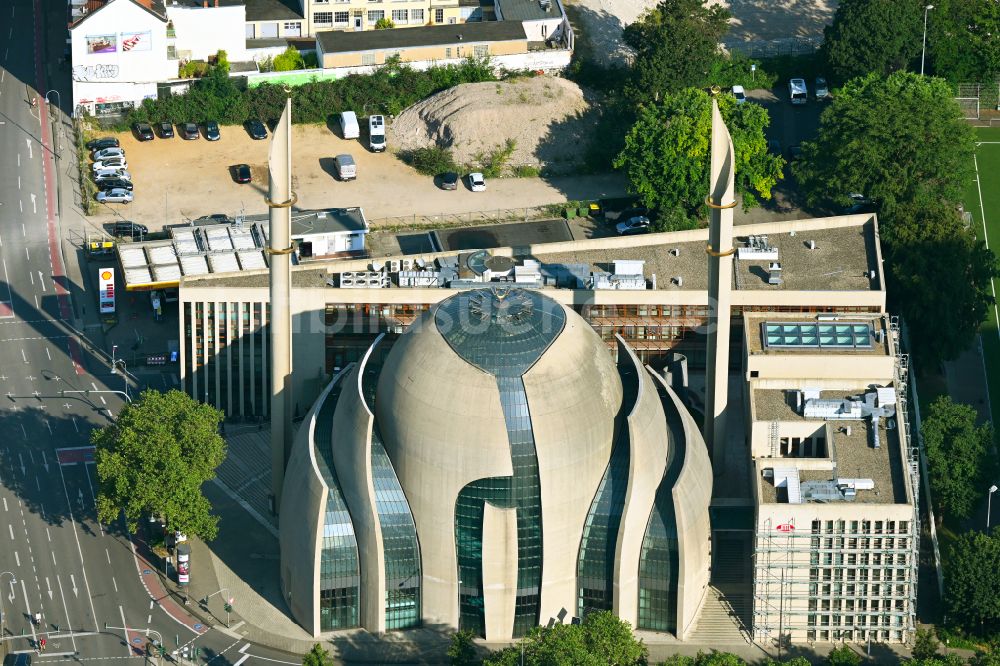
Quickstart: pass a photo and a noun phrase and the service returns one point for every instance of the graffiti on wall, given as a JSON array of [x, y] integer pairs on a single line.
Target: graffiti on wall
[[94, 72]]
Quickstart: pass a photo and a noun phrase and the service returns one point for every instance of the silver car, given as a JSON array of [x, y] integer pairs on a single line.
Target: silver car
[[117, 195], [108, 153], [112, 163]]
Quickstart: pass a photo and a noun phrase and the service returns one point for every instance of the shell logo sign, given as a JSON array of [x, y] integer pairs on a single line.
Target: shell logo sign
[[106, 290]]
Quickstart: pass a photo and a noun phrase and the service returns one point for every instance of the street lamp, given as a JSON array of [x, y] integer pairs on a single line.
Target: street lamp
[[55, 117], [923, 51], [114, 368], [3, 618], [989, 500]]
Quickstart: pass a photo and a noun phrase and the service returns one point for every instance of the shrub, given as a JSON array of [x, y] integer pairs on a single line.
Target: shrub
[[290, 60], [193, 69], [384, 24], [494, 163], [430, 161], [526, 171]]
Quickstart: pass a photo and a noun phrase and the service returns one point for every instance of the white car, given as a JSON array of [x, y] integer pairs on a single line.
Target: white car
[[476, 182], [108, 153], [117, 195], [113, 163], [109, 174], [739, 94]]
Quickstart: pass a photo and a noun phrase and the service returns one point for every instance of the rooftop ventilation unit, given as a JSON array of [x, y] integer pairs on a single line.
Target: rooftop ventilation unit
[[774, 273], [811, 244], [758, 248]]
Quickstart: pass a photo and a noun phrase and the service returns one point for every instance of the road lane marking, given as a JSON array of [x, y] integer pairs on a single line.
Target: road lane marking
[[17, 558], [27, 607], [11, 529], [47, 354], [41, 280], [241, 660], [48, 534], [128, 645], [53, 558], [244, 648], [108, 555], [34, 205], [24, 356], [277, 661], [79, 551], [115, 583], [66, 611], [5, 504], [90, 485]]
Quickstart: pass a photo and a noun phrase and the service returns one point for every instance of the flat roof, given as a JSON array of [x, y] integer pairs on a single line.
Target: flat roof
[[753, 326], [845, 254], [331, 220], [855, 458], [527, 10], [335, 41]]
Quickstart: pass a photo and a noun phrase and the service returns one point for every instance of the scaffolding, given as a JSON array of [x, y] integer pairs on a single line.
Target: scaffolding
[[827, 582]]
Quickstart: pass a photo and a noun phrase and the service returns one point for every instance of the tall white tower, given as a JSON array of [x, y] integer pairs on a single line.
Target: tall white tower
[[280, 200], [721, 201]]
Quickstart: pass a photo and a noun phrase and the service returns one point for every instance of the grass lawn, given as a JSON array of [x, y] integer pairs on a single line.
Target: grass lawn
[[983, 201]]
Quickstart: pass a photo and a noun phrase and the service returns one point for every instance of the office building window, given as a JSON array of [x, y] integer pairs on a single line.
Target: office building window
[[439, 16], [416, 16], [341, 17], [375, 15], [293, 26], [322, 18], [481, 50], [400, 16], [367, 58]]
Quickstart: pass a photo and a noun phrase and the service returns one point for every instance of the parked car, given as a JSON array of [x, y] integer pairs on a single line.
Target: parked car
[[107, 154], [635, 211], [635, 224], [376, 133], [102, 143], [103, 174], [212, 131], [794, 153], [190, 131], [257, 130], [798, 92], [128, 229], [476, 182], [449, 180], [17, 659], [113, 183], [349, 125], [241, 173], [346, 167], [143, 131], [739, 94], [111, 163], [166, 130], [116, 195], [859, 204], [821, 89]]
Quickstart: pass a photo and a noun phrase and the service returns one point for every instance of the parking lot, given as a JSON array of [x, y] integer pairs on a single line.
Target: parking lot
[[177, 180]]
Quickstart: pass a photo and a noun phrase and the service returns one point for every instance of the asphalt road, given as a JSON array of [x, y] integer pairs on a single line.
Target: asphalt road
[[55, 558]]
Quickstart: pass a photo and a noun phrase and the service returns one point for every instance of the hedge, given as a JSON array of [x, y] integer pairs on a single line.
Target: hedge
[[388, 90]]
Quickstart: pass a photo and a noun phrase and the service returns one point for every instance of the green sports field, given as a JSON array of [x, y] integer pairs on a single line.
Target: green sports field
[[983, 201]]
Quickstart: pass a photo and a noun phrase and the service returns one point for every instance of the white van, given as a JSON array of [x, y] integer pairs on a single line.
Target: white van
[[798, 93], [349, 125], [346, 168], [376, 133]]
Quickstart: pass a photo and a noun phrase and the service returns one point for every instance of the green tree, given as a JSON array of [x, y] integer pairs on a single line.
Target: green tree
[[872, 36], [462, 650], [666, 154], [963, 40], [384, 24], [958, 456], [290, 60], [893, 139], [154, 459], [843, 656], [937, 271], [988, 657], [222, 60], [972, 582], [939, 660], [925, 644], [601, 640], [317, 656], [675, 44]]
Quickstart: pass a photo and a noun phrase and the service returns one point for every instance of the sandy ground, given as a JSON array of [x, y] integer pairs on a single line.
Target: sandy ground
[[177, 180], [753, 21]]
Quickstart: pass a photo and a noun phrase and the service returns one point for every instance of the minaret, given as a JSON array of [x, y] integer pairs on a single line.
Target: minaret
[[280, 201], [721, 201]]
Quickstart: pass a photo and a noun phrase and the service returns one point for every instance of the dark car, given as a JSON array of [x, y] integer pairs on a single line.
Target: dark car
[[129, 229], [449, 181], [101, 144], [113, 183], [17, 659], [241, 172], [794, 153], [190, 131], [143, 132], [166, 130], [257, 130], [859, 204], [214, 218], [212, 131]]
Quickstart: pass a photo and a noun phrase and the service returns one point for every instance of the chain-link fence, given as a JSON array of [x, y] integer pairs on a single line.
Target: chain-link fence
[[772, 48], [978, 99]]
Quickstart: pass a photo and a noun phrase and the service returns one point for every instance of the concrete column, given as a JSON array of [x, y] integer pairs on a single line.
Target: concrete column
[[721, 201], [279, 167]]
